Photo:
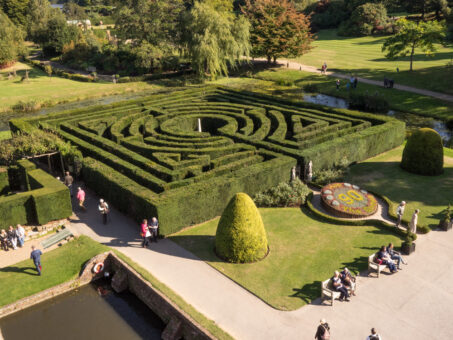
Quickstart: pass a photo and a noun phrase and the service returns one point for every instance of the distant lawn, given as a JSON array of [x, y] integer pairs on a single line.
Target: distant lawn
[[303, 252], [430, 194], [398, 100], [5, 135], [43, 90], [363, 57], [60, 265]]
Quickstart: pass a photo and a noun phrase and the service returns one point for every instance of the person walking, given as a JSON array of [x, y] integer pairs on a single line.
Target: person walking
[[68, 180], [81, 198], [337, 83], [145, 233], [355, 82], [4, 240], [36, 257], [400, 213], [20, 232], [154, 228], [374, 335], [413, 223], [104, 210], [12, 237], [323, 331]]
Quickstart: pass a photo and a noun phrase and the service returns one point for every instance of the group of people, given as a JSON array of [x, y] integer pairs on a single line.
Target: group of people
[[343, 282], [390, 257], [149, 231], [414, 220], [12, 238], [352, 84], [388, 83], [323, 332]]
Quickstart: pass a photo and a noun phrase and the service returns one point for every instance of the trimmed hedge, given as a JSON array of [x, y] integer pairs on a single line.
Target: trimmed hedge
[[48, 199], [240, 235], [424, 153], [150, 158]]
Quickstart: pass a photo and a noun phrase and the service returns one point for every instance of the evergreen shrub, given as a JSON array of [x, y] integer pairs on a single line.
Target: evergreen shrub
[[240, 235], [424, 153]]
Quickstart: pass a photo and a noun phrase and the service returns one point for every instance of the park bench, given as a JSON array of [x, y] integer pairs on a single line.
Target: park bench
[[373, 266], [57, 237], [328, 292]]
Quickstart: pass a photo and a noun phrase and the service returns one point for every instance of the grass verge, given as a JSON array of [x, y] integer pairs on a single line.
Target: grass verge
[[303, 252], [430, 194]]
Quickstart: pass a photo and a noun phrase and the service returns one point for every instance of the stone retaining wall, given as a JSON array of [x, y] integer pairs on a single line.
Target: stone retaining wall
[[179, 324]]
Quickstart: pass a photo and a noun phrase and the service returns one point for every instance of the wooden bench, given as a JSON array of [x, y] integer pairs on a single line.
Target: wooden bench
[[373, 266], [57, 237], [327, 291]]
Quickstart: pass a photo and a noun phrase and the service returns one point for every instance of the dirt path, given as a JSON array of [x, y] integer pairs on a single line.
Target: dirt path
[[301, 67]]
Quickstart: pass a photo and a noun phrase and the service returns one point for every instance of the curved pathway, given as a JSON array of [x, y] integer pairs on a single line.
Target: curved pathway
[[297, 66], [416, 303]]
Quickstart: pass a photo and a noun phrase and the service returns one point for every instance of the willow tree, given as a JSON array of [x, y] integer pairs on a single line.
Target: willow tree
[[11, 41], [216, 39]]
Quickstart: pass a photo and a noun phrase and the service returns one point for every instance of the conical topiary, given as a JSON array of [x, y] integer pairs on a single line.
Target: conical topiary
[[241, 236], [424, 153]]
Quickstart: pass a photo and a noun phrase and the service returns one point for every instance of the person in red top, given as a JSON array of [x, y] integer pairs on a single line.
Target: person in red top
[[145, 233], [81, 197]]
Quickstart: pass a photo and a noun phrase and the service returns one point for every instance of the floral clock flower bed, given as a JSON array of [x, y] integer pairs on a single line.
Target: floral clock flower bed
[[347, 200]]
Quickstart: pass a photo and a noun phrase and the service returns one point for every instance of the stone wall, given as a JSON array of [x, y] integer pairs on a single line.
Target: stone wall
[[179, 324]]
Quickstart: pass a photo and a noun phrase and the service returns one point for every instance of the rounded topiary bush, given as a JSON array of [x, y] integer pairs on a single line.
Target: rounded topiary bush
[[424, 153], [241, 236]]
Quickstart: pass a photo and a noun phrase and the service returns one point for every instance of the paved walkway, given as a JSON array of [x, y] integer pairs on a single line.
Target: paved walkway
[[297, 66], [415, 303]]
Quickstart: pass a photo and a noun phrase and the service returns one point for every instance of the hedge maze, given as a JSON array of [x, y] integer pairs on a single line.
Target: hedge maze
[[147, 157]]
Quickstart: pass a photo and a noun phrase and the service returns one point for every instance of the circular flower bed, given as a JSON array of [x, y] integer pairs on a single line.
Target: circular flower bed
[[347, 200]]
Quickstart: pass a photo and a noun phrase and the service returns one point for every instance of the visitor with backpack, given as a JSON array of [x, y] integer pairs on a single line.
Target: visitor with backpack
[[374, 335], [323, 331]]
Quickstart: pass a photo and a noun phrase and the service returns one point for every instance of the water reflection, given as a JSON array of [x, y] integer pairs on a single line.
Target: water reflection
[[412, 121], [84, 314]]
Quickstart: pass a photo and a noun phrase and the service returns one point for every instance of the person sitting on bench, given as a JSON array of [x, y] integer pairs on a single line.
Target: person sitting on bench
[[384, 258], [338, 286]]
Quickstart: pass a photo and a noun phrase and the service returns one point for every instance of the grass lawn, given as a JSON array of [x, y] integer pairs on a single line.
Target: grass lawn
[[303, 252], [363, 57], [60, 265], [430, 194], [398, 100], [45, 91], [5, 135]]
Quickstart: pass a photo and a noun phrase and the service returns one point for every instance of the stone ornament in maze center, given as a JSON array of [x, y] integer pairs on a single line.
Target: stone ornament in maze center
[[347, 200], [148, 158]]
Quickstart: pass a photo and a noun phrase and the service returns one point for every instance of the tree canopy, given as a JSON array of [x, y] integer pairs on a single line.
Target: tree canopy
[[277, 29], [11, 41], [215, 39], [16, 10], [412, 35]]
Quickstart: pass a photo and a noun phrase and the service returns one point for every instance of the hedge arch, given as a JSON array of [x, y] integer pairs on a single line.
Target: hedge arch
[[424, 153], [241, 236]]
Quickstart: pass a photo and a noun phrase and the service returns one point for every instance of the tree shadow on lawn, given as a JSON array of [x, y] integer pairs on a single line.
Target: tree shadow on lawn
[[23, 270], [309, 293]]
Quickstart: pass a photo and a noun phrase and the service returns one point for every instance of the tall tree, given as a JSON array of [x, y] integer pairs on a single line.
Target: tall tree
[[153, 21], [216, 39], [16, 10], [412, 35], [74, 11], [38, 15], [11, 41], [278, 30]]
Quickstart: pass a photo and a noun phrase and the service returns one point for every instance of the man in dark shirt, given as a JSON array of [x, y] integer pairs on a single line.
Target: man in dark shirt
[[68, 180], [36, 257]]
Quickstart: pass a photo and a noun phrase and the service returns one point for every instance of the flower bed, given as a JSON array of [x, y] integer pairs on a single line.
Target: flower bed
[[347, 200]]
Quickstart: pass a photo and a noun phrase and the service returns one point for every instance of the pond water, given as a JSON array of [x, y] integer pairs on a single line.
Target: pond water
[[84, 314], [412, 121]]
